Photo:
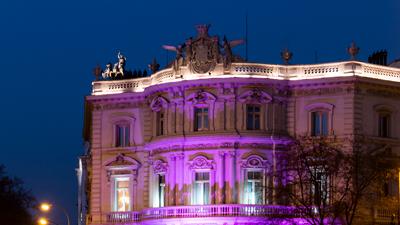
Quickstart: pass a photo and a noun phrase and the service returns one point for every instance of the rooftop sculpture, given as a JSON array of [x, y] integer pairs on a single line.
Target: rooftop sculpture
[[202, 53]]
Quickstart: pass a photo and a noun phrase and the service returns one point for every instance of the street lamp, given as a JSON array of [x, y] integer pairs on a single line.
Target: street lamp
[[43, 221], [46, 207]]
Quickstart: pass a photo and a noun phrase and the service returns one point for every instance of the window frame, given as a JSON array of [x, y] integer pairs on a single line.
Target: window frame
[[320, 107], [126, 138], [204, 117], [194, 191], [254, 114], [160, 122], [262, 181], [114, 197]]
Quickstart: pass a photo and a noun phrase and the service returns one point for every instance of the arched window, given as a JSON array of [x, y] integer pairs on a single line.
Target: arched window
[[159, 178], [122, 173], [384, 120], [255, 181], [202, 106], [254, 107], [159, 106], [122, 133], [320, 117], [202, 171]]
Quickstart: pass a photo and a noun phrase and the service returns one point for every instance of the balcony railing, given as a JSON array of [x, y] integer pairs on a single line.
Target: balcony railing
[[282, 72], [123, 217], [203, 211]]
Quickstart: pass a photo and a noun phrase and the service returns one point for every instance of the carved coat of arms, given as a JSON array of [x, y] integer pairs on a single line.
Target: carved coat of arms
[[203, 53]]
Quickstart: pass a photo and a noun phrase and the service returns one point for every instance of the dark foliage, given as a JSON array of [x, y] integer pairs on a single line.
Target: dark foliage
[[15, 201]]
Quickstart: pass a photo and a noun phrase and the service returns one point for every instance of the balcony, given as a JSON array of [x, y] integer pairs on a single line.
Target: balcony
[[199, 211], [251, 70]]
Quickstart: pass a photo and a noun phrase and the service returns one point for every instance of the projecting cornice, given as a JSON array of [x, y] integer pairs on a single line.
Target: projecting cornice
[[298, 73]]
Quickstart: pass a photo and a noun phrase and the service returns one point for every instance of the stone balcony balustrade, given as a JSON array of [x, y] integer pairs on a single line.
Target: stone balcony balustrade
[[251, 70], [199, 211]]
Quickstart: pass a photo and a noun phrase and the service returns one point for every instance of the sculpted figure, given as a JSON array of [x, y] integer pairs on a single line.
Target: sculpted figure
[[119, 67], [107, 72], [228, 45], [215, 49], [179, 54], [188, 51]]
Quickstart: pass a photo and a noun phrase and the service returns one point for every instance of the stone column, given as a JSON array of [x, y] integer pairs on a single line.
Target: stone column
[[230, 177], [220, 184], [179, 175], [171, 181]]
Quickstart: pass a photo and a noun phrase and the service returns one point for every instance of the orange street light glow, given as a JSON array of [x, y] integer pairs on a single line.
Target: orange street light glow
[[45, 207], [43, 221]]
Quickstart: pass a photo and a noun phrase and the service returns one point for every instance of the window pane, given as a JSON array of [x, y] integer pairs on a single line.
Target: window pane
[[324, 125], [206, 193], [126, 141], [205, 119], [257, 122], [315, 123], [122, 197]]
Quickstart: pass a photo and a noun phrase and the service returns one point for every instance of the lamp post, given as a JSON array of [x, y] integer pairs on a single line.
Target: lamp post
[[46, 207], [45, 221]]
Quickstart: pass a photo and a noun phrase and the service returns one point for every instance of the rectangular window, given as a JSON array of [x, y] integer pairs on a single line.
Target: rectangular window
[[122, 135], [122, 201], [320, 188], [384, 125], [201, 188], [253, 117], [319, 123], [254, 188], [160, 123], [200, 119], [161, 190]]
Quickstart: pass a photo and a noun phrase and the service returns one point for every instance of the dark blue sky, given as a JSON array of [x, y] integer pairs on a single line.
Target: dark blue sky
[[48, 49]]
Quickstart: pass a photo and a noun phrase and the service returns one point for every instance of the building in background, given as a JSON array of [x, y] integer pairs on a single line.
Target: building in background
[[198, 142]]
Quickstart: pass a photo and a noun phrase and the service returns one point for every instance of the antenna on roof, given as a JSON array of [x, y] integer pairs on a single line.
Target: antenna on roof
[[246, 36]]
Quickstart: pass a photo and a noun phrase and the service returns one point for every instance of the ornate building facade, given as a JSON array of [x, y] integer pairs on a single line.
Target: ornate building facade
[[197, 143]]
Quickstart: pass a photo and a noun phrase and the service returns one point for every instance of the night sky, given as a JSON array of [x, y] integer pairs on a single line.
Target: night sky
[[48, 49]]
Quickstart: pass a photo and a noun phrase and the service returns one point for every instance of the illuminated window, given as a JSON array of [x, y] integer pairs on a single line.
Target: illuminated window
[[122, 134], [253, 117], [160, 123], [384, 124], [200, 119], [201, 188], [254, 190], [161, 190], [122, 200], [319, 123]]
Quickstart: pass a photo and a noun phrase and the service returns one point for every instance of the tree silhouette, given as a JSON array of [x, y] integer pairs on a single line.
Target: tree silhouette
[[15, 201]]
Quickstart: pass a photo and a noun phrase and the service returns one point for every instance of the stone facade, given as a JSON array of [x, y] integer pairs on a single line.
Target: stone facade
[[180, 169]]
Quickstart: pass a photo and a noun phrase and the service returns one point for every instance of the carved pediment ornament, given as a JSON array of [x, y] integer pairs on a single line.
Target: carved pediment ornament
[[201, 162], [158, 103], [201, 97], [255, 96], [254, 161], [122, 165], [160, 167]]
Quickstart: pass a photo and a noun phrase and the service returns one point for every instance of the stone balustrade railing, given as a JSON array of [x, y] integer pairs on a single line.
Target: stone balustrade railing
[[203, 211], [123, 217], [282, 72]]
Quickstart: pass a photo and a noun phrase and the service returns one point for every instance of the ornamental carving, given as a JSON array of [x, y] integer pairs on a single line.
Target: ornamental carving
[[122, 162], [203, 53], [255, 96], [122, 165], [159, 167], [201, 162], [201, 97], [254, 161], [158, 103]]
